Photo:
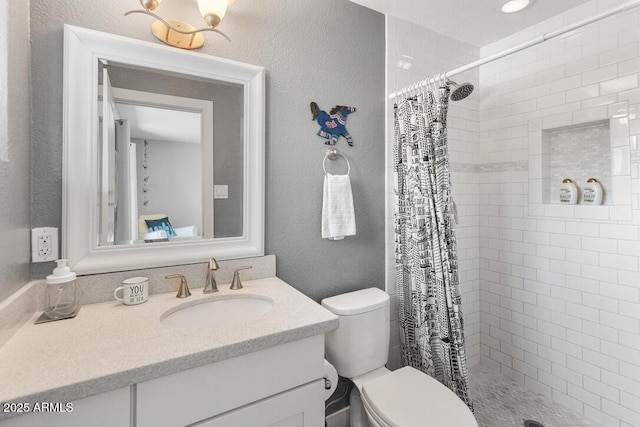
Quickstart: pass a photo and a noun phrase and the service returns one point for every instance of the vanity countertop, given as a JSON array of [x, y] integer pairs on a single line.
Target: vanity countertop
[[110, 345]]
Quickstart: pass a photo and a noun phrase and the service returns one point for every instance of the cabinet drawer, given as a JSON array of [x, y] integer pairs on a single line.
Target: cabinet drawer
[[201, 393]]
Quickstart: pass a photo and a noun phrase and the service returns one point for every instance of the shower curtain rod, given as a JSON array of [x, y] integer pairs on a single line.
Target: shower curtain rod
[[442, 77]]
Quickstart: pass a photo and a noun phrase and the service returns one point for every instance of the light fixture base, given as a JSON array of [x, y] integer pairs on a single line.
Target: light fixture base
[[173, 38]]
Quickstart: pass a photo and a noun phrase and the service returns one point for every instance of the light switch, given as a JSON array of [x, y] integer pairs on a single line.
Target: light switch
[[220, 191]]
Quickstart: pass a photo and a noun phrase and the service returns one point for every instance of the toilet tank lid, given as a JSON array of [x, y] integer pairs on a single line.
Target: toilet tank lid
[[356, 302]]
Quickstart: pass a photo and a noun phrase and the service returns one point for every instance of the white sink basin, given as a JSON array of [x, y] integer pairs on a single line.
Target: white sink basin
[[217, 313]]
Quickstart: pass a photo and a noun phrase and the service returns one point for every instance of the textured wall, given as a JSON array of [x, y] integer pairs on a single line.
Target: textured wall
[[4, 60], [15, 200], [331, 52]]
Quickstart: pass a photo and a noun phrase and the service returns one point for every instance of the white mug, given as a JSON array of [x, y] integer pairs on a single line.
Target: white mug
[[134, 291]]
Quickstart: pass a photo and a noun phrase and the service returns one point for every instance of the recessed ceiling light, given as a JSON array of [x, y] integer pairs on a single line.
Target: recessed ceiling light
[[514, 6]]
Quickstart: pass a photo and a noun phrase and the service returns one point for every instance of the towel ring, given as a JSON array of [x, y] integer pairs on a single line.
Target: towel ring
[[332, 154]]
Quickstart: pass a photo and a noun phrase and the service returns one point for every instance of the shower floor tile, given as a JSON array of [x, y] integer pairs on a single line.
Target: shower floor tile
[[501, 402]]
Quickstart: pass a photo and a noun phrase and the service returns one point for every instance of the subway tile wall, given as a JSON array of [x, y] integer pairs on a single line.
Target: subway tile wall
[[560, 294], [415, 53], [551, 301]]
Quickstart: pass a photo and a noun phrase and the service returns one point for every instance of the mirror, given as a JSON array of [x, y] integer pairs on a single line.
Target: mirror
[[176, 154], [163, 155]]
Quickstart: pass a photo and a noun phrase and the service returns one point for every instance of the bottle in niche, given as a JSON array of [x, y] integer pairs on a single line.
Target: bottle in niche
[[592, 194], [568, 192]]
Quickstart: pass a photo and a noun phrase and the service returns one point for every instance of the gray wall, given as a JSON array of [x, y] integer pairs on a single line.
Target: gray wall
[[15, 199], [331, 52]]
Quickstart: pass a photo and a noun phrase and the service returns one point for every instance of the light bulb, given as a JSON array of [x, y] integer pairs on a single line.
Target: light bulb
[[212, 11], [150, 4]]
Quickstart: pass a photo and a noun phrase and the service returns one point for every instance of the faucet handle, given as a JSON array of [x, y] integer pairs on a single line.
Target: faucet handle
[[183, 290], [236, 283], [210, 285]]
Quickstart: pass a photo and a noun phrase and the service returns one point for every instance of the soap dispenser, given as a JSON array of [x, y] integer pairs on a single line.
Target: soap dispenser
[[592, 193], [61, 296], [568, 192]]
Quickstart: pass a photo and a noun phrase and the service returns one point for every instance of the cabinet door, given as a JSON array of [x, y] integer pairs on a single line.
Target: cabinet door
[[108, 409], [204, 392], [300, 407]]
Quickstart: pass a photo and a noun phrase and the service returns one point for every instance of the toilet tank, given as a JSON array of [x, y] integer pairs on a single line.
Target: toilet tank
[[361, 342]]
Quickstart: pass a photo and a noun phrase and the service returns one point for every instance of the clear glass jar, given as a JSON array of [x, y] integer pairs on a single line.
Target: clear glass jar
[[61, 295], [61, 299]]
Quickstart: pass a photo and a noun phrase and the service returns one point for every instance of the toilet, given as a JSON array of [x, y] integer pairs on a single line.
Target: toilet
[[359, 350]]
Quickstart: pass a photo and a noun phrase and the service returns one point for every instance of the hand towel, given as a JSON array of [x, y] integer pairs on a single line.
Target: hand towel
[[338, 217]]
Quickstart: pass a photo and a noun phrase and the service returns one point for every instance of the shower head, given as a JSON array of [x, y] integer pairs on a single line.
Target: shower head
[[461, 91]]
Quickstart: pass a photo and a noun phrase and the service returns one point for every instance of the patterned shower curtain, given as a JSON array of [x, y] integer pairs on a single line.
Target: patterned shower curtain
[[429, 309]]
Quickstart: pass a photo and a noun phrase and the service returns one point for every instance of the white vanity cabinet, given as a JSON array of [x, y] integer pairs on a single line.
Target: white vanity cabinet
[[264, 371], [109, 409], [278, 386]]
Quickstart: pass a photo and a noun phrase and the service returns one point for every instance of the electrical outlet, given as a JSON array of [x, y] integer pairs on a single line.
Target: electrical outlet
[[44, 244]]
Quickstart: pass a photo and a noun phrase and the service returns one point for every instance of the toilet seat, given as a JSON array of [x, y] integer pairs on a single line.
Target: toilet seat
[[409, 398]]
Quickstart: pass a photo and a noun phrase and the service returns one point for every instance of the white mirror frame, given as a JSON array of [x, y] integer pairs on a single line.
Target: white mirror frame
[[82, 49]]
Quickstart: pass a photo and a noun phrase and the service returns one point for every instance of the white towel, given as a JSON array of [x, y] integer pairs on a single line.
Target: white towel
[[338, 218]]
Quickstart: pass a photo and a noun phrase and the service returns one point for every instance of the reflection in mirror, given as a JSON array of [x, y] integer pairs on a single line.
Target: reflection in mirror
[[209, 186], [160, 156]]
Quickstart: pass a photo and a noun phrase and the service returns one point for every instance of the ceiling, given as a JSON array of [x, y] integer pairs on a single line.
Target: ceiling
[[476, 22], [161, 124]]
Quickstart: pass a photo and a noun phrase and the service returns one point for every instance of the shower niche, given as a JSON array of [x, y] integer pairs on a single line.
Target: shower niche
[[579, 145], [577, 152]]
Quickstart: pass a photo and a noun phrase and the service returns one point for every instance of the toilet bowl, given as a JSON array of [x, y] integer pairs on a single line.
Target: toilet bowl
[[359, 350]]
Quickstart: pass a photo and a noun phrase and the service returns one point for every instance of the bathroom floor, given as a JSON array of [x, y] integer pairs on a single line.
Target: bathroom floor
[[500, 402]]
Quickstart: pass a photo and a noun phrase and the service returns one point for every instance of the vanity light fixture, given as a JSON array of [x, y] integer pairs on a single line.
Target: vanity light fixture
[[513, 6], [180, 34]]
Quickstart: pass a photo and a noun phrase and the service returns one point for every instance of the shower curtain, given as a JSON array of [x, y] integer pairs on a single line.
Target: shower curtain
[[430, 317]]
